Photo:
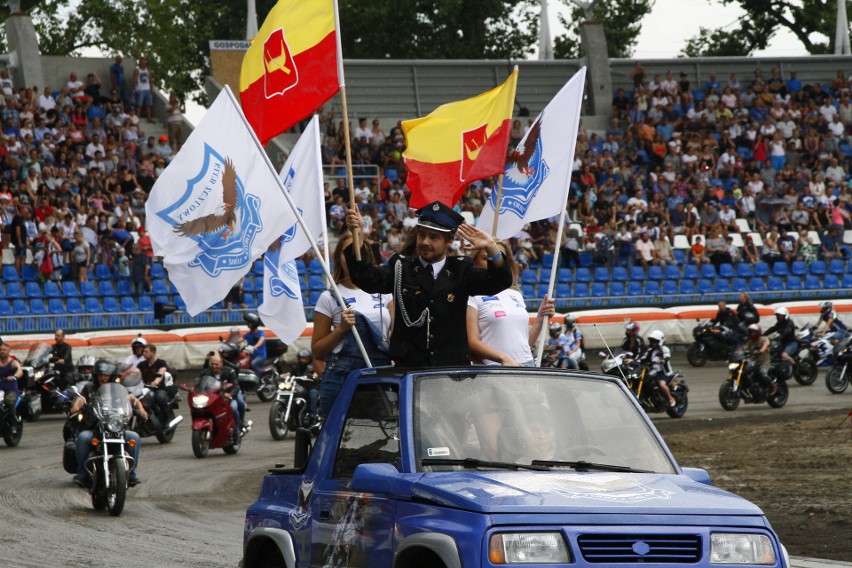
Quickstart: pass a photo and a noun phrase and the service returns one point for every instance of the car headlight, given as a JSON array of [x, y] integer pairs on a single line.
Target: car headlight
[[733, 366], [741, 548], [528, 548], [114, 423], [200, 401]]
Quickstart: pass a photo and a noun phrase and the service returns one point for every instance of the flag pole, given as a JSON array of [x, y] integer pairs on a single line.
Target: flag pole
[[299, 219], [500, 179], [347, 142]]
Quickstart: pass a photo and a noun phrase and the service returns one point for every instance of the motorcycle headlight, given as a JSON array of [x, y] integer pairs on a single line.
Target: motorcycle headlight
[[733, 366], [284, 386], [38, 374], [735, 548], [528, 548], [607, 365], [114, 423], [200, 401]]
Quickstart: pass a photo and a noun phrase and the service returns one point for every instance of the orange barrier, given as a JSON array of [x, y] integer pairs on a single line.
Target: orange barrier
[[125, 340]]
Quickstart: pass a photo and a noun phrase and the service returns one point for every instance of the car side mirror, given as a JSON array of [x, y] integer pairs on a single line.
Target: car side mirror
[[380, 478], [698, 475]]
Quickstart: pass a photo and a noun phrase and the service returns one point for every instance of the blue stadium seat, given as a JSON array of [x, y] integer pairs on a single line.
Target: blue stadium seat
[[547, 259], [105, 288], [257, 267], [775, 283], [780, 269], [313, 298], [691, 272], [745, 270], [583, 274], [705, 286], [794, 283], [181, 305], [30, 272], [619, 273], [562, 291], [544, 275], [671, 288], [708, 271], [146, 304], [656, 272], [157, 271], [527, 291], [761, 269], [799, 268], [128, 304], [635, 288], [541, 291], [160, 287], [617, 288], [69, 289], [14, 290], [250, 284], [37, 307], [10, 274], [722, 286], [55, 307], [92, 305], [847, 280], [599, 290], [529, 276], [818, 267], [812, 282], [565, 275], [251, 300], [602, 274], [740, 285], [33, 290], [88, 289], [837, 266], [653, 287], [5, 308], [757, 284], [726, 270], [586, 259], [123, 287], [680, 256], [316, 282], [831, 281], [301, 268], [581, 290], [102, 272], [315, 267], [637, 273], [20, 307], [73, 306]]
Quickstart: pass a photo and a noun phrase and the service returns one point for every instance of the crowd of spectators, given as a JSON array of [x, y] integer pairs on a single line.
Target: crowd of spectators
[[76, 167]]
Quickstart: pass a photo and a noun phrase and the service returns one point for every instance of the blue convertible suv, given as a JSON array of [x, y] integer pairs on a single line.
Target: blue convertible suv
[[487, 467]]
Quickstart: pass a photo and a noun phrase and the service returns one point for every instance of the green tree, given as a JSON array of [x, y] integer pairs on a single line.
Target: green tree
[[621, 21], [811, 21]]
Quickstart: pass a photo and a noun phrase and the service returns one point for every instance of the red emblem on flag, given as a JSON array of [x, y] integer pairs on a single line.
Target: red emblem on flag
[[279, 69], [472, 142]]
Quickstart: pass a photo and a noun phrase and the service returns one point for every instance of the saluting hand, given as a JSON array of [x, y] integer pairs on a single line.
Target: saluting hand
[[478, 239]]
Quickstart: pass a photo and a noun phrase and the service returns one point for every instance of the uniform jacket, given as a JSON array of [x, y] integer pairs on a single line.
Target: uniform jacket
[[443, 339]]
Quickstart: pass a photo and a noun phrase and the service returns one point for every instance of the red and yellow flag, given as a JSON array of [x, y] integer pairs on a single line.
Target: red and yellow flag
[[290, 70], [457, 144]]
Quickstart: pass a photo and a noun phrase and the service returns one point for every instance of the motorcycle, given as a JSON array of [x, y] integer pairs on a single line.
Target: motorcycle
[[41, 385], [743, 384], [213, 424], [11, 425], [109, 462], [289, 411], [164, 421], [551, 358], [712, 343], [837, 379], [814, 352], [235, 356], [646, 389]]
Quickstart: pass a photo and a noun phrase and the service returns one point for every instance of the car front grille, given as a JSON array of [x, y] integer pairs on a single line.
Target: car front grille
[[640, 549]]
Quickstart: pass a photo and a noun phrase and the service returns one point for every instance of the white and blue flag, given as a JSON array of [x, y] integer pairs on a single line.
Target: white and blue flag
[[538, 172], [216, 208], [282, 309]]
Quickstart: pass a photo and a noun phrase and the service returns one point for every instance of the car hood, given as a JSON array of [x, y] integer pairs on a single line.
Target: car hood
[[562, 492]]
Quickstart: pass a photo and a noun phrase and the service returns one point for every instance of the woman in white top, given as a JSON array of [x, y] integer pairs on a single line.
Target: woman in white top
[[332, 340], [498, 328]]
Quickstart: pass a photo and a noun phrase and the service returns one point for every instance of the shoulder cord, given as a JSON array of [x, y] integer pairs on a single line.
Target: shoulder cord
[[425, 316]]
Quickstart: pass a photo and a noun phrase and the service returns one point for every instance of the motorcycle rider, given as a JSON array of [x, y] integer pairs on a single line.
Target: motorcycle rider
[[758, 344], [828, 316], [727, 319], [563, 345], [137, 346], [633, 342], [10, 372], [786, 330], [304, 368], [747, 313], [153, 372], [658, 360], [575, 337], [229, 387], [105, 372], [63, 360], [256, 340]]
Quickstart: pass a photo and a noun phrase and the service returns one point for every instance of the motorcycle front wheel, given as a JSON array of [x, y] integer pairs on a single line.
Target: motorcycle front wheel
[[805, 371], [117, 492], [679, 409], [729, 399], [836, 380], [200, 443], [236, 442], [277, 422], [780, 397], [164, 437], [696, 355], [14, 432], [267, 388]]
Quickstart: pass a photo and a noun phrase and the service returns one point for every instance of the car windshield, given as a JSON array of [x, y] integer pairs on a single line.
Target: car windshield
[[497, 420]]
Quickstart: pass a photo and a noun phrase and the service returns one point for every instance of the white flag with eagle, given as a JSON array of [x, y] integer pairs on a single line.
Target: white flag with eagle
[[216, 207], [538, 172]]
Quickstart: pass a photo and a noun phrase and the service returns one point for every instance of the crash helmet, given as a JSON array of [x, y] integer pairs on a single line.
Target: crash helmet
[[657, 336], [138, 342], [304, 354], [554, 329], [754, 331], [570, 321], [253, 320], [104, 368], [85, 366], [631, 329], [782, 313], [825, 307]]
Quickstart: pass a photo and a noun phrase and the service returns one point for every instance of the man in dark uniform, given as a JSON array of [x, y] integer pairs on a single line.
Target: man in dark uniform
[[430, 289], [62, 359]]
